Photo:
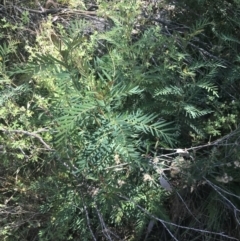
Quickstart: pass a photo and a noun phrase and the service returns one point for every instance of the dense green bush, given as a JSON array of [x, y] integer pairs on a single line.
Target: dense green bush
[[93, 119]]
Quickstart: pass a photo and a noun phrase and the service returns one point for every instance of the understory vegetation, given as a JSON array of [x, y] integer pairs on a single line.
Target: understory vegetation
[[119, 120]]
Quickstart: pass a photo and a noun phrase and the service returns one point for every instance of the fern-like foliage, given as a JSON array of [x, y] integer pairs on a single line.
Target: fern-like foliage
[[98, 123], [114, 97]]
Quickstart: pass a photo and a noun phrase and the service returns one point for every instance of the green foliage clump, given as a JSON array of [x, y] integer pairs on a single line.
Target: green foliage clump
[[89, 123]]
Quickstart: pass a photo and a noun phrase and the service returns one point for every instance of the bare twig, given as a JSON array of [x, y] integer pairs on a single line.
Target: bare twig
[[187, 207], [88, 219], [104, 228], [152, 216], [57, 10], [236, 210], [44, 11], [231, 194], [214, 143], [33, 134], [164, 223], [120, 165], [149, 229]]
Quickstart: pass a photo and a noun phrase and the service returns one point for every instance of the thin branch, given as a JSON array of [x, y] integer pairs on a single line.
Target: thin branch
[[149, 229], [231, 194], [205, 52], [214, 143], [187, 207], [57, 10], [44, 11], [152, 216], [33, 134], [88, 219], [163, 222], [104, 228], [234, 207], [120, 165]]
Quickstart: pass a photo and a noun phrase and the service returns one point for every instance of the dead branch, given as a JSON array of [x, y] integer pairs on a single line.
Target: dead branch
[[33, 134], [164, 223]]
